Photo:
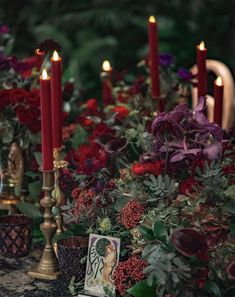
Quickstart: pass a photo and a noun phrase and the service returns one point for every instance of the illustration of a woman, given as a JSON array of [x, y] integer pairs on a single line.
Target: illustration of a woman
[[109, 263]]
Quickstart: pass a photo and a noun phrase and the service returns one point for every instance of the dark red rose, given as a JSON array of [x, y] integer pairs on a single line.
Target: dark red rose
[[4, 98], [122, 112], [101, 131], [18, 95], [92, 105], [33, 98], [29, 117], [190, 243], [85, 122], [150, 167], [49, 45], [231, 270]]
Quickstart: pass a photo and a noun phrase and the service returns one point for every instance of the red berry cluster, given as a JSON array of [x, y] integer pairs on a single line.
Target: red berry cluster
[[128, 273], [132, 214]]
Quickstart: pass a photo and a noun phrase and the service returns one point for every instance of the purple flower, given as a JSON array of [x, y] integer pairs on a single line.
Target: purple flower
[[4, 29], [184, 74], [166, 59]]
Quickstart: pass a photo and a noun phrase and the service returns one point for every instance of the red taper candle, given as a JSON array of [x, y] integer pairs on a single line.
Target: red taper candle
[[56, 99], [218, 97], [46, 127], [202, 72], [107, 83], [154, 57]]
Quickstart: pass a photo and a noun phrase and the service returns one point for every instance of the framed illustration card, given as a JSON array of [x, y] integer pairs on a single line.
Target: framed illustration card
[[102, 259]]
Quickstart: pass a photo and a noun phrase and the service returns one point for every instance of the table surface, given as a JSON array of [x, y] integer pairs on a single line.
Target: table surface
[[14, 282]]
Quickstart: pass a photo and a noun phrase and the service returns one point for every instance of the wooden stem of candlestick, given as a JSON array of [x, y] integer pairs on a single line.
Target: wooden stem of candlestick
[[47, 268], [59, 163]]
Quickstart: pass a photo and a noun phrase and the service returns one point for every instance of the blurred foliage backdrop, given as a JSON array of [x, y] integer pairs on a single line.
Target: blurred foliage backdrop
[[90, 31]]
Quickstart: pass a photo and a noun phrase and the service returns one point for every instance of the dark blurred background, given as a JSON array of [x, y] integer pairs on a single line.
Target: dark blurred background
[[90, 31]]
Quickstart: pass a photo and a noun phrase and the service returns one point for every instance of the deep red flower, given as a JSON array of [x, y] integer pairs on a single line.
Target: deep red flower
[[190, 243], [89, 158], [128, 273], [18, 95], [231, 270], [101, 131], [187, 185], [122, 112], [4, 98], [201, 277], [85, 122], [131, 214], [33, 98], [92, 105], [150, 167], [29, 117], [68, 91]]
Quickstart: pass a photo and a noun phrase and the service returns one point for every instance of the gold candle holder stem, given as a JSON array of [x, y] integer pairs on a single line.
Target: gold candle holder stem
[[48, 266], [59, 163]]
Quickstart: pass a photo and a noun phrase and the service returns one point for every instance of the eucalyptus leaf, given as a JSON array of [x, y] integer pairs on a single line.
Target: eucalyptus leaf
[[29, 209]]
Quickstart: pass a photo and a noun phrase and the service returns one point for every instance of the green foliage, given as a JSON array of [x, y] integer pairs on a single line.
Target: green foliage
[[141, 289], [35, 189], [160, 187], [79, 137], [29, 209]]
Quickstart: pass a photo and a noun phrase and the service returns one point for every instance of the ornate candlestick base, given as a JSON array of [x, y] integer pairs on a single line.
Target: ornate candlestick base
[[59, 163], [48, 266]]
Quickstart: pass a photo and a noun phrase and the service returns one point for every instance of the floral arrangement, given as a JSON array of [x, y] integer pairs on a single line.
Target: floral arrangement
[[173, 208]]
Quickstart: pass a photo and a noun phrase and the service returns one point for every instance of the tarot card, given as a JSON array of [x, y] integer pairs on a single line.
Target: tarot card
[[102, 259]]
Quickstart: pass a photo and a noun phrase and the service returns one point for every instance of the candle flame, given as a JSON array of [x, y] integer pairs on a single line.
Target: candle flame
[[219, 81], [152, 19], [106, 66], [202, 45], [39, 52], [44, 74], [55, 56]]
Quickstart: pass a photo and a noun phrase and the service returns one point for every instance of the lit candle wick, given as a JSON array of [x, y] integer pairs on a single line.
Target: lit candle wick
[[106, 66], [44, 74], [152, 19], [219, 81], [55, 56], [202, 45]]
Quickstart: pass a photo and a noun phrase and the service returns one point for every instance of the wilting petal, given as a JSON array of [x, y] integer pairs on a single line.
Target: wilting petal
[[201, 104]]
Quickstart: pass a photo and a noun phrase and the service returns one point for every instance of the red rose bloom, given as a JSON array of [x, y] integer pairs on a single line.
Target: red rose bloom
[[29, 118], [92, 105], [85, 122], [4, 98], [33, 98], [151, 167], [18, 95], [122, 112], [101, 130], [131, 214]]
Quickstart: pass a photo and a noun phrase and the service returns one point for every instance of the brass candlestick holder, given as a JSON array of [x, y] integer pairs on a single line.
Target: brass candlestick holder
[[59, 163], [48, 266]]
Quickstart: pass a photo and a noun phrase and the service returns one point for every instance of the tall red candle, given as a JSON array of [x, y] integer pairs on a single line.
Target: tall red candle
[[218, 97], [107, 83], [56, 96], [202, 72], [154, 57], [46, 127]]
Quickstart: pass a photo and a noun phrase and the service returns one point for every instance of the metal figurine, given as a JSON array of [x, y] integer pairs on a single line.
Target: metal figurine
[[59, 163]]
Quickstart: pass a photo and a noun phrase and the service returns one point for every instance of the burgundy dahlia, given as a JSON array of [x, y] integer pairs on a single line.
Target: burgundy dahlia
[[190, 243], [231, 270]]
